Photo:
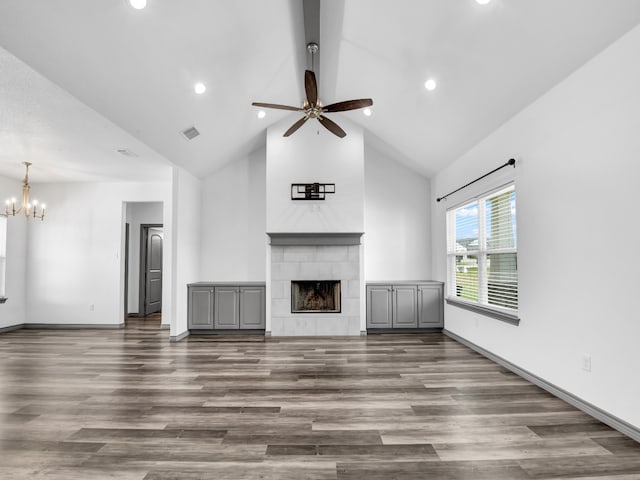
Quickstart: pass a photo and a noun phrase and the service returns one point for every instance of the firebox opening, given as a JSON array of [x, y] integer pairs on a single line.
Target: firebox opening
[[315, 296]]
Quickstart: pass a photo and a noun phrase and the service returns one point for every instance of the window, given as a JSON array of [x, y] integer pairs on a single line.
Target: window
[[482, 258], [3, 252]]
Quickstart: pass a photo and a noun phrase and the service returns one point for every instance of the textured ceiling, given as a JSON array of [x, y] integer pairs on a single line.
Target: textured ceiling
[[82, 79]]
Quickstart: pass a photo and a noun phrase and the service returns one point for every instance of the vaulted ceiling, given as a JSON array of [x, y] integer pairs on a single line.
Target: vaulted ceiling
[[82, 79]]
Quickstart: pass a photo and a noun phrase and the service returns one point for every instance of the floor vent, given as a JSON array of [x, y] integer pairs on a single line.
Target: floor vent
[[190, 133]]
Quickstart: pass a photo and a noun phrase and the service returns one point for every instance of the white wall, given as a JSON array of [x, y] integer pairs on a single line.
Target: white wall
[[313, 154], [13, 312], [186, 247], [233, 221], [138, 213], [576, 181], [397, 240], [75, 257]]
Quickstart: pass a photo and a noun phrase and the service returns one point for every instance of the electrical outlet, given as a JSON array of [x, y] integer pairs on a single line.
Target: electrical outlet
[[92, 307], [586, 363]]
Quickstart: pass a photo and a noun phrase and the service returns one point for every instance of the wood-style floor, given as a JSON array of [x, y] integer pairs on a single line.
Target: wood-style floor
[[85, 404]]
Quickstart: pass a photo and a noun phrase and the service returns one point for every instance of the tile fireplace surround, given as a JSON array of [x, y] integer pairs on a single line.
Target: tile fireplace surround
[[309, 256]]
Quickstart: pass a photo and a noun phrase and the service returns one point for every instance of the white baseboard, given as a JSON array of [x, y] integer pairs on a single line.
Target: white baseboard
[[11, 328], [570, 398], [70, 326], [181, 336]]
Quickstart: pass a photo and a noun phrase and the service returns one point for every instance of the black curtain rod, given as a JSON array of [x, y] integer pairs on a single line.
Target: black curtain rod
[[511, 161]]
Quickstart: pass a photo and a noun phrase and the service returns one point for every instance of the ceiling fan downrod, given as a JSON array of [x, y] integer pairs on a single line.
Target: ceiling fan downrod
[[312, 48]]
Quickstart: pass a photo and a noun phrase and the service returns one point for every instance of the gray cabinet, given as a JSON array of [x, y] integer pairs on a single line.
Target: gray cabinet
[[252, 308], [379, 306], [405, 305], [200, 307], [225, 306], [430, 307]]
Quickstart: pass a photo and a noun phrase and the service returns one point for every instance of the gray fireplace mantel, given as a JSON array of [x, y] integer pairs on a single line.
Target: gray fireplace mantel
[[293, 239]]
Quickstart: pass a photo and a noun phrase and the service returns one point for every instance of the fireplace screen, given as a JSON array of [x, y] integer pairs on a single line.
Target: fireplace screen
[[318, 296]]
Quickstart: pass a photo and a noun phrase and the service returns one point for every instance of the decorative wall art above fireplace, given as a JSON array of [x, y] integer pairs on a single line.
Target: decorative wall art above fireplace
[[316, 296], [311, 191]]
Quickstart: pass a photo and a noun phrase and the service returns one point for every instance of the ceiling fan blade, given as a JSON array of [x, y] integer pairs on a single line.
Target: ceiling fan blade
[[332, 126], [348, 105], [295, 126], [279, 107], [311, 87]]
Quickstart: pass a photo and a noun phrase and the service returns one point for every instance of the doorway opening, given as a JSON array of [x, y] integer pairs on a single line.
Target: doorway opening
[[143, 263]]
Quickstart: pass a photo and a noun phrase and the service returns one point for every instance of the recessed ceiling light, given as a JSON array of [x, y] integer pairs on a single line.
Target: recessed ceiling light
[[430, 84], [200, 88], [262, 114], [483, 2], [138, 4], [367, 112]]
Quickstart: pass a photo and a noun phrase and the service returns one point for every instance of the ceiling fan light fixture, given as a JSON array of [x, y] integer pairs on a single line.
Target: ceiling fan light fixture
[[482, 2], [199, 88], [367, 112], [430, 84], [138, 4], [262, 114]]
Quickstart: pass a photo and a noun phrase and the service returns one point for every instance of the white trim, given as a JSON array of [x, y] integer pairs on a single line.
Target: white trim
[[498, 314], [482, 194], [590, 409], [181, 336], [3, 255], [73, 326]]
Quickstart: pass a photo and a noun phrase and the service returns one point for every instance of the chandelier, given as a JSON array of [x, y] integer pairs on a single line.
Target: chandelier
[[29, 208]]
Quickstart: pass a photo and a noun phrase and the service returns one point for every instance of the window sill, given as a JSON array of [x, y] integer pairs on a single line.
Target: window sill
[[489, 312]]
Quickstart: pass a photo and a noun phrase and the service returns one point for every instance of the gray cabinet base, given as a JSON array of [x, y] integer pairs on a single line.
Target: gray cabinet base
[[218, 331], [373, 331], [226, 308]]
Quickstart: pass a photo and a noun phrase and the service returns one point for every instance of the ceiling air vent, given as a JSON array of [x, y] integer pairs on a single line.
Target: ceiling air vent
[[190, 133], [126, 152]]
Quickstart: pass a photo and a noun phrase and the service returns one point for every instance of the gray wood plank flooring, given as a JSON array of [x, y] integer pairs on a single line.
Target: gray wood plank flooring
[[85, 404]]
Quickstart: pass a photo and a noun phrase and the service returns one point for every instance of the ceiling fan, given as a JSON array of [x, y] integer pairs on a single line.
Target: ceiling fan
[[313, 108]]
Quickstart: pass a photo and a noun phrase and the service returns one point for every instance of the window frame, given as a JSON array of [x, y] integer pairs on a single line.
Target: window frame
[[508, 315]]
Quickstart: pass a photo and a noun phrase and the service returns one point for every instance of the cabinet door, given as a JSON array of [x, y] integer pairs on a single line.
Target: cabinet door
[[252, 308], [430, 306], [379, 310], [405, 306], [226, 309], [200, 307]]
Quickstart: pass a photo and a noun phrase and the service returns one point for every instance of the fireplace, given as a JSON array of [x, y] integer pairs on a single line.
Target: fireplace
[[307, 270], [315, 296]]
